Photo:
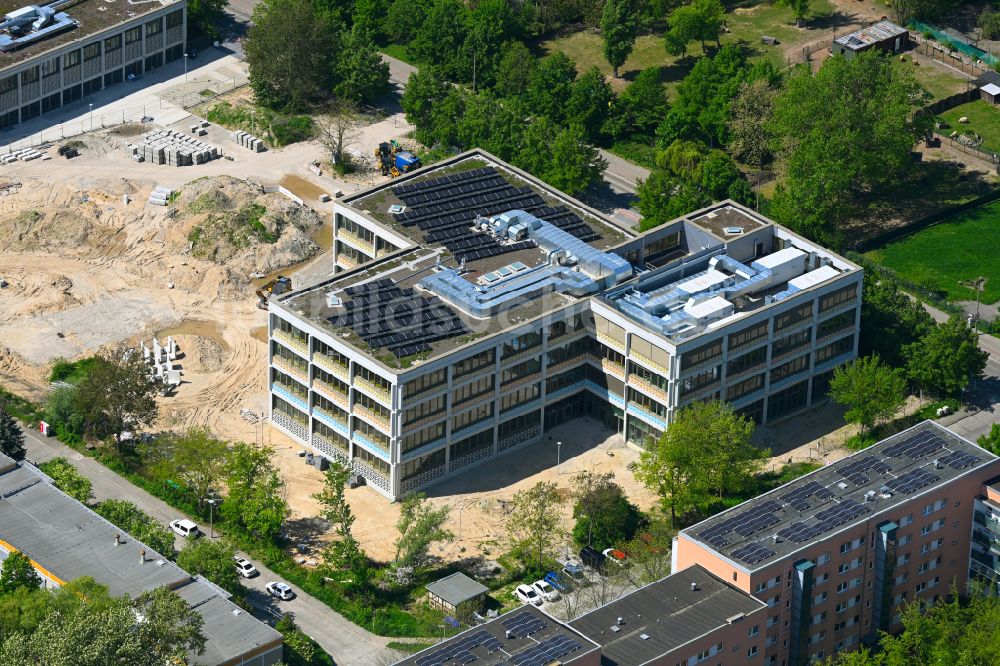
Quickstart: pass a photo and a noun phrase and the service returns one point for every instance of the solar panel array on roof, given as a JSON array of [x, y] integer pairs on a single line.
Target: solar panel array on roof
[[384, 315], [797, 498], [744, 523], [446, 208], [547, 652], [856, 472], [915, 446], [523, 624], [752, 553], [460, 651], [912, 481], [958, 460], [836, 515]]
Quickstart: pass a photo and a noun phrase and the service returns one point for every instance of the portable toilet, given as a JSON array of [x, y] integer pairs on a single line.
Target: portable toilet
[[46, 429]]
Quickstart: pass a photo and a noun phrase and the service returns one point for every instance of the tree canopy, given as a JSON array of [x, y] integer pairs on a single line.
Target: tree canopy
[[534, 521], [890, 320], [604, 515], [420, 525], [11, 437], [344, 552], [698, 21], [214, 561], [67, 479], [946, 358], [872, 391], [618, 31], [256, 503], [117, 395]]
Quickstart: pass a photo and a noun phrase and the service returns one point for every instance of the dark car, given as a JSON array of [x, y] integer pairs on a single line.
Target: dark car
[[593, 558]]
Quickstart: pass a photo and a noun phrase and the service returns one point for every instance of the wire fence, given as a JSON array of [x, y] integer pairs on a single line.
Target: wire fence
[[141, 114]]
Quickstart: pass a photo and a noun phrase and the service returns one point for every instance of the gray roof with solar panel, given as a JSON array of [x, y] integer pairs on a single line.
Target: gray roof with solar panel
[[524, 637], [840, 495]]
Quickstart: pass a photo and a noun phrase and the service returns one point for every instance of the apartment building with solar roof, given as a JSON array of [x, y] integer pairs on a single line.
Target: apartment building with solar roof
[[815, 567], [474, 307], [56, 55]]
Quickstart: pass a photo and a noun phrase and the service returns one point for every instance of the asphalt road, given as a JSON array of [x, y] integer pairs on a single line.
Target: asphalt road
[[346, 642]]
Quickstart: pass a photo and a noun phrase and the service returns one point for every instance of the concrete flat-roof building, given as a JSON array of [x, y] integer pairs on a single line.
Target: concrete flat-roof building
[[65, 540], [57, 55], [474, 307]]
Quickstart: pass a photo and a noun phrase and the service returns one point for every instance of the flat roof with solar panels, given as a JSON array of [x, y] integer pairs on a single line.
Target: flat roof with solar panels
[[489, 248], [840, 495], [523, 637]]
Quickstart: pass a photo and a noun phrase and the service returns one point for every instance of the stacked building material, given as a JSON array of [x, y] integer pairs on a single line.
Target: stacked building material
[[160, 196], [249, 141], [173, 148], [25, 155]]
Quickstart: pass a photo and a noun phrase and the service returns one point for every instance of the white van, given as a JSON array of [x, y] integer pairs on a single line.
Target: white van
[[184, 528]]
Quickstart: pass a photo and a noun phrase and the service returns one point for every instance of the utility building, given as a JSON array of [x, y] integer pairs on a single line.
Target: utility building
[[475, 307], [57, 55], [884, 35]]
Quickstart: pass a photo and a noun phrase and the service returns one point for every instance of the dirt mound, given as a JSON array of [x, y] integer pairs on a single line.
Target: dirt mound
[[201, 354], [237, 224]]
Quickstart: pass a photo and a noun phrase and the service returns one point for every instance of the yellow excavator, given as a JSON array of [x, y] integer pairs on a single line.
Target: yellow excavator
[[275, 287]]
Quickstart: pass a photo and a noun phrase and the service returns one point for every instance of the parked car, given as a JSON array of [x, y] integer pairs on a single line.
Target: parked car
[[527, 595], [244, 567], [593, 559], [574, 572], [615, 555], [280, 590], [545, 591], [185, 528], [552, 578]]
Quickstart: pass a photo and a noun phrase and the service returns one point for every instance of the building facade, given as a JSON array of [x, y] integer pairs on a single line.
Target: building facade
[[571, 317], [103, 48], [835, 553]]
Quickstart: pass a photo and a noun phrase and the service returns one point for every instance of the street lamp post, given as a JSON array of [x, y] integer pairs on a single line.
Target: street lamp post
[[211, 518], [91, 117], [978, 285], [558, 457], [185, 68]]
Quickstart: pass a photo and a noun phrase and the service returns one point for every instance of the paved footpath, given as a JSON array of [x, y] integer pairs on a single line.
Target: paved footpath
[[347, 643]]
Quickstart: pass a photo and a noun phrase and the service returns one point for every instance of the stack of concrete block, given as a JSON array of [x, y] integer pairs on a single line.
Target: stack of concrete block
[[24, 154], [159, 197], [169, 147], [249, 141]]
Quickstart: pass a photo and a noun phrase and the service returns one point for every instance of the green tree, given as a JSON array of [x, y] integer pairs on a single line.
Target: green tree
[[703, 454], [425, 91], [196, 459], [618, 29], [67, 479], [214, 561], [840, 134], [255, 504], [750, 112], [439, 39], [292, 52], [872, 391], [490, 25], [98, 635], [800, 8], [369, 16], [11, 437], [117, 395], [589, 103], [202, 14], [991, 442], [300, 649], [61, 413], [17, 573], [890, 320], [403, 18], [140, 525], [23, 611], [701, 20], [515, 70], [361, 73], [603, 512], [551, 86], [344, 552], [643, 103], [573, 163], [946, 358], [533, 523], [420, 525]]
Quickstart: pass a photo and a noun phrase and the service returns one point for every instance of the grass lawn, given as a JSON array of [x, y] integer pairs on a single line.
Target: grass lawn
[[939, 257], [938, 81], [984, 120], [746, 24]]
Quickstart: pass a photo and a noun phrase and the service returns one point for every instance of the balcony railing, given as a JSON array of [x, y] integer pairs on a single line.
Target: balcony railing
[[642, 413], [646, 387], [371, 417], [612, 368], [839, 333], [611, 342], [355, 240], [331, 366], [649, 363], [294, 426], [374, 390], [372, 447], [292, 342], [336, 421], [330, 450], [290, 368], [518, 437], [331, 393], [299, 401], [840, 307]]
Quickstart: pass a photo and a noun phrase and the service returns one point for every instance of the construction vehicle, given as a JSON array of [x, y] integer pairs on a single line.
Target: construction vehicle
[[393, 160], [275, 287]]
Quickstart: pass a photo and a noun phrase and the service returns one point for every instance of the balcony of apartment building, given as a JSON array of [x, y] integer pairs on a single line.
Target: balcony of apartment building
[[290, 390], [419, 442], [373, 385], [644, 412], [521, 400], [473, 420], [287, 416], [610, 334], [745, 391], [694, 387], [643, 359], [752, 361], [355, 235], [651, 383], [792, 344], [696, 361], [331, 388], [523, 373], [290, 337], [424, 413], [331, 414], [838, 301], [565, 332], [370, 437], [290, 363], [834, 354], [790, 372], [522, 347], [331, 361], [330, 442], [373, 412], [566, 382]]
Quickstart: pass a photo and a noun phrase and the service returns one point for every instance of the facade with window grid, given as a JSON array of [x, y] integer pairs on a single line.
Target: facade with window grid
[[68, 74]]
